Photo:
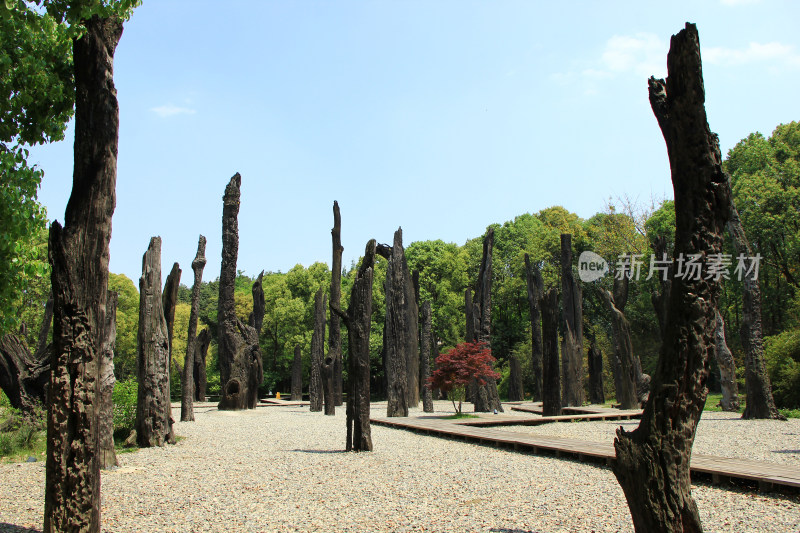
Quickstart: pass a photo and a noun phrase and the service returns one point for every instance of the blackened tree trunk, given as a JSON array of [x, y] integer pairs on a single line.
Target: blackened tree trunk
[[108, 456], [239, 358], [652, 463], [515, 391], [397, 328], [622, 366], [425, 358], [256, 318], [551, 373], [411, 337], [327, 384], [535, 287], [23, 376], [661, 298], [572, 344], [44, 330], [79, 259], [251, 333], [201, 350], [335, 329], [596, 391], [486, 398], [315, 389], [358, 320], [297, 375], [187, 376], [169, 300], [153, 410], [760, 403], [469, 313], [727, 368]]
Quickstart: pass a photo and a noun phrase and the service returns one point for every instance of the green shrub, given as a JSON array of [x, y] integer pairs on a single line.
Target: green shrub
[[124, 397], [782, 353]]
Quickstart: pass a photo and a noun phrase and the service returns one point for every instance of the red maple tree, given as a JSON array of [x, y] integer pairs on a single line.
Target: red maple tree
[[458, 366]]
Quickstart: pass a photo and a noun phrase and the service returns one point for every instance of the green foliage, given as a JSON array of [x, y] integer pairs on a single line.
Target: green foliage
[[782, 353], [127, 325], [124, 397], [22, 436]]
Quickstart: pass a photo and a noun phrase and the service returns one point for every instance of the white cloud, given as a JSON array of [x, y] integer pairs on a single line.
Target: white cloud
[[170, 110], [754, 53], [643, 54]]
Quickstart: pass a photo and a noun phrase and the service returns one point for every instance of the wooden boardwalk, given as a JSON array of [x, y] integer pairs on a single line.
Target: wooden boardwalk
[[720, 469], [274, 402]]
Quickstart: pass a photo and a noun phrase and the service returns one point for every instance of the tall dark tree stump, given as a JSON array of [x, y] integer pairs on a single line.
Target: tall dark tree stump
[[153, 409], [169, 301], [551, 372], [358, 320], [652, 464], [200, 353], [335, 329], [515, 391], [425, 358], [572, 343], [727, 368], [623, 364], [24, 376], [596, 390], [108, 455], [535, 288], [187, 376], [240, 365], [79, 259], [297, 375], [486, 399], [760, 403], [315, 389], [400, 336]]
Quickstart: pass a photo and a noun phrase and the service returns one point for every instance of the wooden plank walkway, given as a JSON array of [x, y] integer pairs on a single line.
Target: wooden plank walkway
[[721, 469], [273, 402]]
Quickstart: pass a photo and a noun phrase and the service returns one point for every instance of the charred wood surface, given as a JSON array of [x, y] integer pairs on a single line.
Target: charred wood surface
[[551, 372], [108, 455], [535, 288], [572, 344], [335, 329], [397, 329], [317, 352], [727, 368], [187, 376], [153, 409], [297, 375], [652, 464], [79, 257], [425, 358]]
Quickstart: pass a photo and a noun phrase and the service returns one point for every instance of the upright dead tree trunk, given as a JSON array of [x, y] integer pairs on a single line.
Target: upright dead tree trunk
[[425, 358], [201, 350], [297, 375], [623, 361], [596, 391], [652, 463], [397, 329], [79, 260], [535, 286], [661, 298], [108, 456], [44, 330], [486, 397], [315, 389], [153, 410], [358, 320], [515, 391], [187, 376], [169, 300], [760, 403], [727, 368], [551, 373], [469, 313], [238, 350], [572, 344], [334, 329], [251, 333], [23, 376]]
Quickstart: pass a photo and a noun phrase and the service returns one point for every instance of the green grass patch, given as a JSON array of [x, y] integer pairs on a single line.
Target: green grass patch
[[460, 415], [22, 437]]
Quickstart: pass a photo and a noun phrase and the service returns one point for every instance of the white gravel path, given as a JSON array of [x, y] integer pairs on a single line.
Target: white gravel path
[[283, 469]]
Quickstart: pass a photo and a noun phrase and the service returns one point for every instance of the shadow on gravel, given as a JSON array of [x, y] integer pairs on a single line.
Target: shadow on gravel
[[785, 451], [320, 451], [11, 528], [506, 530]]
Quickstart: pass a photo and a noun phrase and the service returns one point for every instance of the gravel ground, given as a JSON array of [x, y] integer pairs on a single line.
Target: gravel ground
[[720, 434], [283, 469]]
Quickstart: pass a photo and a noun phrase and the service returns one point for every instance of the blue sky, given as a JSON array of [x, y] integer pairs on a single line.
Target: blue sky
[[441, 117]]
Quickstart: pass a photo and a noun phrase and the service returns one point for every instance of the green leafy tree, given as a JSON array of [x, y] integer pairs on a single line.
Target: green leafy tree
[[36, 101], [127, 325]]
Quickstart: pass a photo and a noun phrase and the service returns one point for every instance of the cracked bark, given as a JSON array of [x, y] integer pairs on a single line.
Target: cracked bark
[[187, 376]]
